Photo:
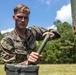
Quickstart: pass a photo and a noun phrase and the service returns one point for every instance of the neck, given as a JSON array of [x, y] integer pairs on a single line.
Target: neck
[[21, 32]]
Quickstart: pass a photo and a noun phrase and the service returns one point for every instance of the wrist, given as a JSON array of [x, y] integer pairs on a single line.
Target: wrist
[[24, 63], [27, 63]]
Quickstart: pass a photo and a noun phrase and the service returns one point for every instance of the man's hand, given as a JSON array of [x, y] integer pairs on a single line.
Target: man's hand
[[52, 35], [34, 57]]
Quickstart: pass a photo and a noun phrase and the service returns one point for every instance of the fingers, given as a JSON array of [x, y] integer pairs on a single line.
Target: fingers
[[34, 57], [52, 35]]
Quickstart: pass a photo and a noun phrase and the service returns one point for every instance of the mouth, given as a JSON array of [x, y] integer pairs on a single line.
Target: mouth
[[22, 24]]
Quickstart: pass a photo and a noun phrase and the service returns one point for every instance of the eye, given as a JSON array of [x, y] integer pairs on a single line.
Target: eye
[[25, 17], [21, 17]]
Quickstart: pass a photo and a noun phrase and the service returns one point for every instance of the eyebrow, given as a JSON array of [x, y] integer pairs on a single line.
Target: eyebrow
[[22, 16]]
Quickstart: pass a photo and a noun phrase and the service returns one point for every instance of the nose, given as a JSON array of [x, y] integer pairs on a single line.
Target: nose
[[23, 19]]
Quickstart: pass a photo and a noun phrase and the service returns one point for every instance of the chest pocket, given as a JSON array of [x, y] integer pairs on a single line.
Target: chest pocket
[[20, 51], [19, 47], [31, 43]]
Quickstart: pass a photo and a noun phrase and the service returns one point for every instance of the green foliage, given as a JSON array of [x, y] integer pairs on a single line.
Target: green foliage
[[62, 50], [1, 36], [1, 61]]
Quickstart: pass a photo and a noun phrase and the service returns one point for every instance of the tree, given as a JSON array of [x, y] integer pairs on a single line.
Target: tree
[[65, 44], [62, 50]]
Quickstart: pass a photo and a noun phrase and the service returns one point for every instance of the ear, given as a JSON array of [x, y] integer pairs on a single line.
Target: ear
[[13, 17]]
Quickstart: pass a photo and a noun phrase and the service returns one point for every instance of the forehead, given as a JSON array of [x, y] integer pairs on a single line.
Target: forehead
[[21, 14]]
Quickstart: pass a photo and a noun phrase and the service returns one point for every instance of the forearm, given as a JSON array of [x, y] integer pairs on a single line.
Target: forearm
[[38, 32]]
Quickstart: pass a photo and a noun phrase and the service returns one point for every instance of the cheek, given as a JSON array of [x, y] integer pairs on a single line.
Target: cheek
[[18, 22], [27, 21]]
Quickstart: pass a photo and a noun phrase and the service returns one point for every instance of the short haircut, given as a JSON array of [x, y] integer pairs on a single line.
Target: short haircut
[[22, 8]]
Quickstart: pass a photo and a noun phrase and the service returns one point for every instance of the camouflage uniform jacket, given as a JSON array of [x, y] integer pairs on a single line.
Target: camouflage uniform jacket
[[15, 49]]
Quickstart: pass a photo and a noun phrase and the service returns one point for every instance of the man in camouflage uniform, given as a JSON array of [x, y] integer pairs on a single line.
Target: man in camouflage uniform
[[19, 45]]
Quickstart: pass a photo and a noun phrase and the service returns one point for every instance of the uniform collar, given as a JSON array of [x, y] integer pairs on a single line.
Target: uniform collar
[[18, 37]]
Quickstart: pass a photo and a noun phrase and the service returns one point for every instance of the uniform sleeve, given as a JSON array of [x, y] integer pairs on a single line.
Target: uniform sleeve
[[39, 31], [57, 35], [7, 50]]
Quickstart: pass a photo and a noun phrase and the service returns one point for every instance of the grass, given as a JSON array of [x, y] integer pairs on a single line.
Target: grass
[[2, 72], [57, 69], [52, 69]]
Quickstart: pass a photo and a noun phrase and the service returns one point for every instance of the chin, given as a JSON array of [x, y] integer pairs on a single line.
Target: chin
[[23, 28]]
